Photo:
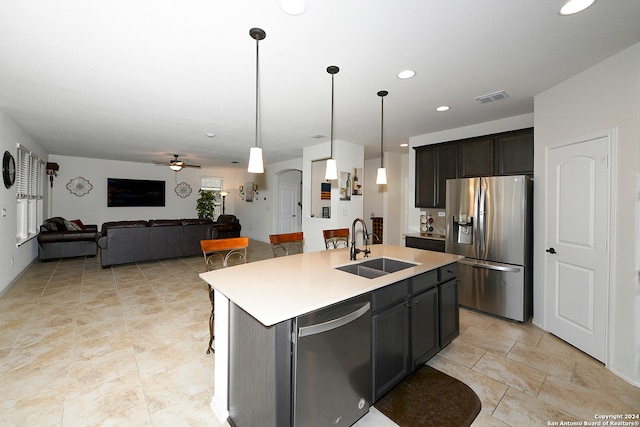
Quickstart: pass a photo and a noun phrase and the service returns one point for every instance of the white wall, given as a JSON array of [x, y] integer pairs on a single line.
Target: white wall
[[603, 98], [348, 156], [92, 208], [22, 256], [487, 128]]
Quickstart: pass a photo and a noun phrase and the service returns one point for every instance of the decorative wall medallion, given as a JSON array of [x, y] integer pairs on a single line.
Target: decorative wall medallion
[[79, 186], [183, 190]]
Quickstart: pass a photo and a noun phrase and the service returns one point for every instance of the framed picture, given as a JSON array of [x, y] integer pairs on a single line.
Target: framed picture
[[325, 191], [345, 186], [356, 182]]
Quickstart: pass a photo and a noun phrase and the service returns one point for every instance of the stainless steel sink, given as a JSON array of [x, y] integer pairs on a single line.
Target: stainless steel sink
[[376, 267]]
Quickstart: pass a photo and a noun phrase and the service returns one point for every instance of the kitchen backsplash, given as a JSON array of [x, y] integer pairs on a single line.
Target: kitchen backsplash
[[438, 224]]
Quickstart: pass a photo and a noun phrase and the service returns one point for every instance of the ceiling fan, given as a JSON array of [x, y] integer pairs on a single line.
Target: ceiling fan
[[176, 165]]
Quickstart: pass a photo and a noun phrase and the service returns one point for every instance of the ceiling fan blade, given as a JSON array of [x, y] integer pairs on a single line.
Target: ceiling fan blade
[[191, 166]]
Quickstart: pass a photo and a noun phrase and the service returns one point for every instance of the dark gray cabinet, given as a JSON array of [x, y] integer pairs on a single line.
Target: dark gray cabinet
[[407, 323], [449, 326], [425, 341], [390, 347]]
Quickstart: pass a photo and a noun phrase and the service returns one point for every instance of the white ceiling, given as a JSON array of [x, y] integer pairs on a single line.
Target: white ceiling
[[139, 80]]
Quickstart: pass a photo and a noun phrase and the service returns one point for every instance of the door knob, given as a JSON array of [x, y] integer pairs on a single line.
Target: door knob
[[551, 251]]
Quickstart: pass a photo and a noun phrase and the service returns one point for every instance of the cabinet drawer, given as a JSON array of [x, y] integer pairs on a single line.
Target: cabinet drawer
[[448, 272], [424, 281], [389, 295]]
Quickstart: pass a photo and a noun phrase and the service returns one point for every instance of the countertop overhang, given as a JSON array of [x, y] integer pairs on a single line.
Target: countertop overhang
[[282, 288]]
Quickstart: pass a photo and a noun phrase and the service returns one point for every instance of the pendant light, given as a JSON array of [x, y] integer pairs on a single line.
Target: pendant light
[[382, 172], [255, 155], [332, 169]]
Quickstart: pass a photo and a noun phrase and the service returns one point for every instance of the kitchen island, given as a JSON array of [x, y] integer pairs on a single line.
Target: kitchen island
[[277, 290]]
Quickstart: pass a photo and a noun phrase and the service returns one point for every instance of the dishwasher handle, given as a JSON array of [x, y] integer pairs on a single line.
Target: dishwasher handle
[[319, 328]]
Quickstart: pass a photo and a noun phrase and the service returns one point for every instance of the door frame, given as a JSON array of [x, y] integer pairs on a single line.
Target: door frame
[[611, 135]]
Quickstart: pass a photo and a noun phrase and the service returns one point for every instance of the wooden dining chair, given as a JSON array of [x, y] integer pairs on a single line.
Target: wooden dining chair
[[336, 238], [286, 243], [217, 253]]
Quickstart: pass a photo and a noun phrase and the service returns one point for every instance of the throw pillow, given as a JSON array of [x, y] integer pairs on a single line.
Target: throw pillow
[[79, 224], [71, 226]]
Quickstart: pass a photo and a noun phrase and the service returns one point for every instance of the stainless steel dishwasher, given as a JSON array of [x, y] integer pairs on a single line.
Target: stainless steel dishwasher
[[332, 358]]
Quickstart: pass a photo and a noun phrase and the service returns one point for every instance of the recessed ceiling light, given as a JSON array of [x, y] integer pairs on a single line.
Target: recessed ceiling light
[[210, 134], [406, 74], [443, 108], [574, 6], [404, 144], [293, 7]]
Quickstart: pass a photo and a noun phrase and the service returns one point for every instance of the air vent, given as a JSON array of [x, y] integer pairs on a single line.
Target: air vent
[[317, 136], [495, 96]]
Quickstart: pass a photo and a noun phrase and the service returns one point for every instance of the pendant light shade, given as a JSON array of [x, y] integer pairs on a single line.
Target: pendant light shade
[[332, 169], [255, 160], [382, 172], [255, 155]]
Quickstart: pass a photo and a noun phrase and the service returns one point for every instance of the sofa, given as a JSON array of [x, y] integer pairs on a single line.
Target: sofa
[[226, 226], [61, 238], [123, 242]]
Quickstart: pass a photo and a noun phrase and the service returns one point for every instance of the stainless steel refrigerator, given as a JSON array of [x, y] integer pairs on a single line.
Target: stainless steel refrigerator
[[489, 221]]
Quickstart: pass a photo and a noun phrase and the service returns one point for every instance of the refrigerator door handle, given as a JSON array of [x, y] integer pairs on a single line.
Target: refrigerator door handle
[[481, 219], [489, 266]]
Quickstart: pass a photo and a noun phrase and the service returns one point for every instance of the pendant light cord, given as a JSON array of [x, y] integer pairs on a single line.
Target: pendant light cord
[[381, 130], [382, 94], [257, 87], [332, 76]]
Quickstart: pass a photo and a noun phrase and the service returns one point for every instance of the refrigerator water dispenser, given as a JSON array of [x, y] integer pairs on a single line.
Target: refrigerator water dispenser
[[463, 229]]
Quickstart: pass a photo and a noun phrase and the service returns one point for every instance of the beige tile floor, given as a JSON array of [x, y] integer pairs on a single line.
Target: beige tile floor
[[125, 346]]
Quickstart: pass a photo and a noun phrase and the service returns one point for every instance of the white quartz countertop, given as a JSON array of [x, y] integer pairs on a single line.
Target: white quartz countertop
[[281, 288]]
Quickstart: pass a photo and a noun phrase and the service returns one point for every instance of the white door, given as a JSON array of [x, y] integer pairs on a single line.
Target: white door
[[287, 214], [577, 258]]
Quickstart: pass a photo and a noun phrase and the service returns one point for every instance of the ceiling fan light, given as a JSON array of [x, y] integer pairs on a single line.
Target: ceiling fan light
[[381, 178], [332, 170], [255, 160], [175, 167]]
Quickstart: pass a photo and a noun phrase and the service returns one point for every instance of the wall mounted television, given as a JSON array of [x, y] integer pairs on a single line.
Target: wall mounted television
[[134, 192]]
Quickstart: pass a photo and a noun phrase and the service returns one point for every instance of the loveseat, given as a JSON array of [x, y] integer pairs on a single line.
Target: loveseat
[[123, 242], [60, 238], [226, 226]]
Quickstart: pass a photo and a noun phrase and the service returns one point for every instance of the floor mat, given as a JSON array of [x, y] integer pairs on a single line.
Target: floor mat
[[429, 397]]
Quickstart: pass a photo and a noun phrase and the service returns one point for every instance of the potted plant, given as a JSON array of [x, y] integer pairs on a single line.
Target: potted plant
[[204, 205]]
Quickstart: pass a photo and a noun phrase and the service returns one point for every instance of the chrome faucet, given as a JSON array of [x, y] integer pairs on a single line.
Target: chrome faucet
[[365, 236]]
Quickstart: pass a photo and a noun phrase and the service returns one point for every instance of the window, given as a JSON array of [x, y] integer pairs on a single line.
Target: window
[[30, 194], [209, 183]]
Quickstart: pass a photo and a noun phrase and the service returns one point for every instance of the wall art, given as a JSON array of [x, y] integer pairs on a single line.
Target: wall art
[[79, 186]]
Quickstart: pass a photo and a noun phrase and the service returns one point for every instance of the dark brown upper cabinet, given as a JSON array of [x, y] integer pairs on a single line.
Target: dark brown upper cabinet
[[507, 153], [476, 157], [514, 153], [434, 165]]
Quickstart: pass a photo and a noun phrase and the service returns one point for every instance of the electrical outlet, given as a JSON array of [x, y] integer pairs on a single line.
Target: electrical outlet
[[4, 212], [442, 214], [12, 261]]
